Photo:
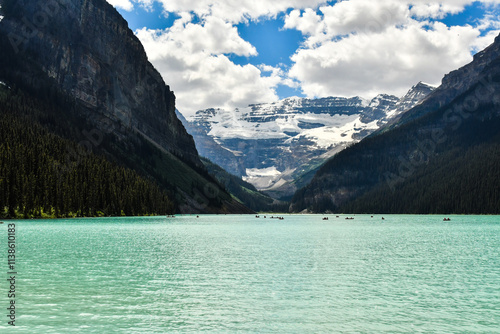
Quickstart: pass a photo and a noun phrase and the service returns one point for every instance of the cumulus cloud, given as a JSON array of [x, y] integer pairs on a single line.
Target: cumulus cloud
[[123, 4], [236, 11], [362, 47], [388, 62], [352, 16], [439, 9], [490, 23], [213, 36], [193, 60], [347, 17], [308, 23]]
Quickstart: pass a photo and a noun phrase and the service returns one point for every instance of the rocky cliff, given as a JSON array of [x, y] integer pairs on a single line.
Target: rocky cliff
[[88, 49], [208, 147]]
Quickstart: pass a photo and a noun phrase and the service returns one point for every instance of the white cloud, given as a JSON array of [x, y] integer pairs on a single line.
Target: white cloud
[[351, 47], [484, 41], [439, 9], [236, 11], [490, 23], [123, 4], [308, 23], [346, 17], [363, 47], [213, 36], [389, 62], [352, 16], [192, 60]]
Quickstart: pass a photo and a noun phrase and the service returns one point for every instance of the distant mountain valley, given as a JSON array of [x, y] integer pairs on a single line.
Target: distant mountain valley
[[277, 147]]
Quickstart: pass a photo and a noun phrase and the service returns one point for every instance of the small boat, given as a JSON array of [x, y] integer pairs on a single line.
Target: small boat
[[325, 218]]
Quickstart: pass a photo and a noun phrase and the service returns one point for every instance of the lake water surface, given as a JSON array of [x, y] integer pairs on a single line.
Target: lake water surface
[[243, 274]]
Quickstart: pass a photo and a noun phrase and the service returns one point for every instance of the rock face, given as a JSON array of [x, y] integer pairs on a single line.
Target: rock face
[[208, 147], [87, 47], [273, 145]]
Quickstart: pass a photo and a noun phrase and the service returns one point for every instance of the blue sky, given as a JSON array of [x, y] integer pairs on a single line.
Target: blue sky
[[230, 54]]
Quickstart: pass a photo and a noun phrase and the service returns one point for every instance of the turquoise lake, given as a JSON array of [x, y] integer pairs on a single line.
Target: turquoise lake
[[226, 274]]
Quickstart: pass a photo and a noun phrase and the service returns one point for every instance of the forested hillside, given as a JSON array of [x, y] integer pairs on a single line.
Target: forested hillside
[[460, 182], [44, 175], [460, 175]]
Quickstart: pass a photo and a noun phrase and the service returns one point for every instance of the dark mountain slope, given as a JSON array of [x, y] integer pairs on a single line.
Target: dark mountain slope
[[37, 179], [440, 159], [89, 51], [472, 187], [91, 83]]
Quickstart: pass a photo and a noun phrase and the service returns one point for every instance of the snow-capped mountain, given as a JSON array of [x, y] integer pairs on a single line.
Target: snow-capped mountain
[[271, 145]]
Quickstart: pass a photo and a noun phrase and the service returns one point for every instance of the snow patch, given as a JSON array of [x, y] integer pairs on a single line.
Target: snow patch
[[365, 102], [262, 178], [270, 171]]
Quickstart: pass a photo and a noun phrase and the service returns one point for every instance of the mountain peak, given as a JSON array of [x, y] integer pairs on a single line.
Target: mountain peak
[[417, 91], [423, 85]]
